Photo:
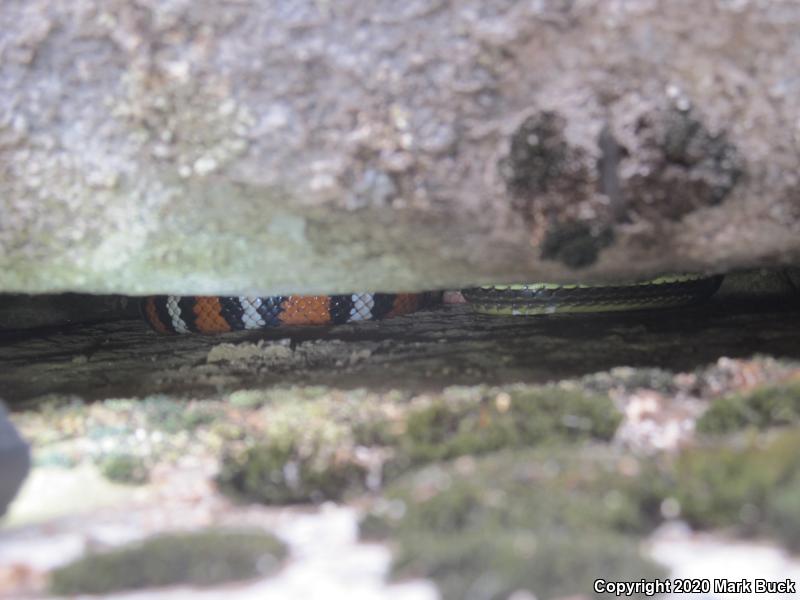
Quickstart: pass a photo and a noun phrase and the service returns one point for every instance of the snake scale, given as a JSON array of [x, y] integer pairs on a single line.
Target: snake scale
[[220, 314]]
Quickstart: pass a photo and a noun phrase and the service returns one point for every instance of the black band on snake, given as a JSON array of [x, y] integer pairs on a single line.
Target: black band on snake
[[220, 314]]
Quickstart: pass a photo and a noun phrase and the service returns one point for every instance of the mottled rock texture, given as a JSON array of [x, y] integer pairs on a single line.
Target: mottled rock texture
[[228, 147]]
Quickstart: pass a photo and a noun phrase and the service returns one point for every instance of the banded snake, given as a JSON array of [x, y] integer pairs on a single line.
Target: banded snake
[[219, 314]]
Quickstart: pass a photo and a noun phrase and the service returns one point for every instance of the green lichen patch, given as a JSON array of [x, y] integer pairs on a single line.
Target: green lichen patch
[[545, 522], [764, 407], [322, 449], [199, 558]]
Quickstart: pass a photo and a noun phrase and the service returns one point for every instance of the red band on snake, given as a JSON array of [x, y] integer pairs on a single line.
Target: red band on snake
[[220, 314]]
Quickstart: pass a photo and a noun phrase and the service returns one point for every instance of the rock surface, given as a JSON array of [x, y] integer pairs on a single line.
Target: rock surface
[[171, 146], [695, 469]]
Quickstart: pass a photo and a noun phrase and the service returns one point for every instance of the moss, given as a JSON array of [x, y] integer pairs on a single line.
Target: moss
[[749, 487], [548, 522], [305, 454], [125, 468], [201, 558], [782, 513], [319, 450], [550, 564], [521, 416], [768, 406], [562, 487], [740, 486], [280, 472]]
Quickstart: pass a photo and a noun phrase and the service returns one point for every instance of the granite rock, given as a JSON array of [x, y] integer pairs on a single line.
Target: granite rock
[[262, 147]]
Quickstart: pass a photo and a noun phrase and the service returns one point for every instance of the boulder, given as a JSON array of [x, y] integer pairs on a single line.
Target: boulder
[[268, 147]]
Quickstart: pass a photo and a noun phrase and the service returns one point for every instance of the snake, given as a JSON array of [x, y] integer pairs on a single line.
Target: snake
[[221, 314], [553, 298]]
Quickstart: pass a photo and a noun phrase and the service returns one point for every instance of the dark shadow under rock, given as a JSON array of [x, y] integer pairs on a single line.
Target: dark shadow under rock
[[427, 350]]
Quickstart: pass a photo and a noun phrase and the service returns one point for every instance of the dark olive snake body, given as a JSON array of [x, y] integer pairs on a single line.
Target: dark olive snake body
[[547, 298]]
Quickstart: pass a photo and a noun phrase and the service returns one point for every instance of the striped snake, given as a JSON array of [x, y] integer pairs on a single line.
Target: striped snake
[[219, 314]]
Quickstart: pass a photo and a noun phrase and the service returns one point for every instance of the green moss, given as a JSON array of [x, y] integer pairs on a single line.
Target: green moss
[[522, 416], [201, 558], [769, 406], [548, 522], [550, 564], [305, 454], [315, 450], [747, 487], [125, 468], [782, 513], [281, 473]]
